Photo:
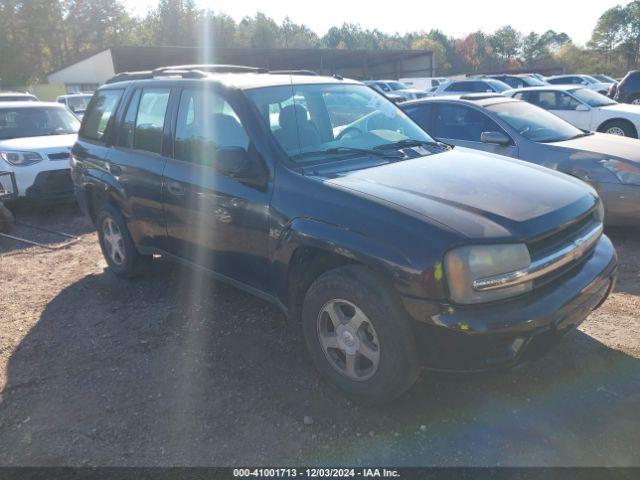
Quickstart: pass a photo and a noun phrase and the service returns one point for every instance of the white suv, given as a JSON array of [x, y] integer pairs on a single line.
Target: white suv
[[35, 140]]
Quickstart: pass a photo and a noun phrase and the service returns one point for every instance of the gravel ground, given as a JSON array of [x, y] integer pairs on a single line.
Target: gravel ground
[[175, 369]]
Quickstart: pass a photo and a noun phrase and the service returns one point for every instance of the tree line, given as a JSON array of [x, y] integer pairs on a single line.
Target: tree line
[[39, 36]]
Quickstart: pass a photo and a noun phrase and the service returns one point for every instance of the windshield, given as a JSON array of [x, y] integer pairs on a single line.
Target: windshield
[[397, 86], [534, 123], [498, 86], [604, 78], [533, 82], [79, 103], [17, 98], [592, 98], [307, 119], [36, 122], [589, 79]]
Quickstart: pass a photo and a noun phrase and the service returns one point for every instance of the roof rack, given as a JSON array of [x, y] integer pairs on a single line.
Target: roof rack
[[148, 74], [212, 68], [294, 72]]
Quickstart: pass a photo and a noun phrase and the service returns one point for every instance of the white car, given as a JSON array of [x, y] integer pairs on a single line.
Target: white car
[[424, 83], [586, 81], [396, 88], [76, 102], [35, 140], [474, 85], [584, 108]]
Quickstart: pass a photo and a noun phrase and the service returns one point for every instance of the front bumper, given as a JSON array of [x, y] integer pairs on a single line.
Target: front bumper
[[51, 185], [504, 334]]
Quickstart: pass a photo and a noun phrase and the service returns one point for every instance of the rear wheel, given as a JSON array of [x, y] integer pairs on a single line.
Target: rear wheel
[[117, 246], [619, 128], [359, 336]]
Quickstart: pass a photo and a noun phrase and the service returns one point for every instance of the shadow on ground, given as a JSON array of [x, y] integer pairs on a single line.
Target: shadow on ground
[[175, 369], [65, 217]]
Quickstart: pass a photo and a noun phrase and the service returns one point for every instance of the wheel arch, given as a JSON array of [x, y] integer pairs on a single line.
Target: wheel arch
[[308, 248], [602, 127]]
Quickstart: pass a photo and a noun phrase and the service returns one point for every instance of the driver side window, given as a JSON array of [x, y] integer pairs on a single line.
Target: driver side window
[[565, 102], [457, 122]]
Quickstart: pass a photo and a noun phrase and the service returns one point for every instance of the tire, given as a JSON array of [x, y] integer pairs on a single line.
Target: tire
[[620, 128], [384, 334], [124, 260]]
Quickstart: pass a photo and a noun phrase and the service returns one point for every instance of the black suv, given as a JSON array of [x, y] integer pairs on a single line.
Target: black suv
[[628, 90], [395, 251]]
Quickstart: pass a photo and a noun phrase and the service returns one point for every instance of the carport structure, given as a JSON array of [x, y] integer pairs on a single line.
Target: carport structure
[[95, 69]]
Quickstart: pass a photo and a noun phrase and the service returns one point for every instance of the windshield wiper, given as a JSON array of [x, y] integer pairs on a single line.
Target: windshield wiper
[[409, 142], [345, 151]]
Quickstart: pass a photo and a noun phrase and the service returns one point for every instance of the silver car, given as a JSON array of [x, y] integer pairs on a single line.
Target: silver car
[[394, 87], [518, 129]]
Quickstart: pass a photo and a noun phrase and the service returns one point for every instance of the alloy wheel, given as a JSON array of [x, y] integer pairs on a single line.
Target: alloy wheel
[[113, 241], [348, 340], [615, 131]]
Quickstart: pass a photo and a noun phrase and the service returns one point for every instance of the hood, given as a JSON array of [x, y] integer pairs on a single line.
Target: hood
[[599, 146], [626, 108], [43, 143], [477, 194]]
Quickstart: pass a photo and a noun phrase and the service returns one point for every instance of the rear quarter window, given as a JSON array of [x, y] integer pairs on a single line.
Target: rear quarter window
[[99, 113]]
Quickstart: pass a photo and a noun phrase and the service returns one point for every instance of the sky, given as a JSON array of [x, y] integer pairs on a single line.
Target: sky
[[454, 17]]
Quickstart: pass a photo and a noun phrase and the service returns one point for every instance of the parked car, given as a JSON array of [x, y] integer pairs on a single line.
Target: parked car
[[424, 83], [521, 130], [35, 139], [17, 97], [396, 88], [76, 102], [476, 85], [586, 81], [519, 81], [391, 96], [604, 78], [628, 90], [584, 108], [395, 251]]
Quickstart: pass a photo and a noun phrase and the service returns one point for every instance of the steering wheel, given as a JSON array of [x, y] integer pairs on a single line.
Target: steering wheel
[[344, 132]]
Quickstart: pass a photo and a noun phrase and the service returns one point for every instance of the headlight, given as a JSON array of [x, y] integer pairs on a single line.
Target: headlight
[[625, 171], [464, 265], [21, 159]]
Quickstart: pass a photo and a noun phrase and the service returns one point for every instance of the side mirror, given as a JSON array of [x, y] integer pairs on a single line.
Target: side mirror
[[582, 108], [497, 138], [237, 163], [584, 82]]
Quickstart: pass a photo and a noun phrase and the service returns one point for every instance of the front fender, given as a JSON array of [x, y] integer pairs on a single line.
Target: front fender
[[307, 232]]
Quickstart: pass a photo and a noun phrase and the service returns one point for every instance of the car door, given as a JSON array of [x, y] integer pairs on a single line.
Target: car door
[[137, 161], [572, 110], [463, 125], [214, 220], [563, 105]]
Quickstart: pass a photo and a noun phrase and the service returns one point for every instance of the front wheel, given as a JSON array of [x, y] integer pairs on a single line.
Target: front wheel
[[619, 128], [359, 336], [117, 246]]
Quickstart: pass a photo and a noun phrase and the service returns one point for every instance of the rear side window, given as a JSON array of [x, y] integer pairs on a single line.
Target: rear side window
[[456, 87], [101, 109], [205, 123], [150, 119], [421, 114]]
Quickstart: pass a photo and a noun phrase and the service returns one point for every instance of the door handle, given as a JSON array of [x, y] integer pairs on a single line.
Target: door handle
[[175, 188]]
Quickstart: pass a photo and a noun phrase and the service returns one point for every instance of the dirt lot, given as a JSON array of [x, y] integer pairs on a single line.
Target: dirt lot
[[174, 369]]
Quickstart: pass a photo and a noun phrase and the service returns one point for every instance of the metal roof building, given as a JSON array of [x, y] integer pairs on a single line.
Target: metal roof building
[[93, 70]]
